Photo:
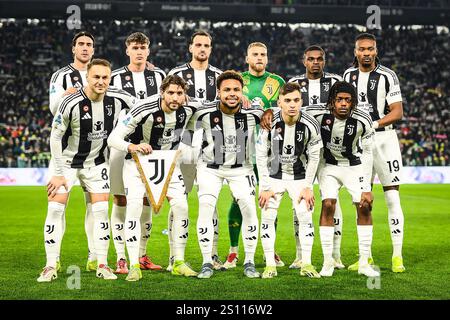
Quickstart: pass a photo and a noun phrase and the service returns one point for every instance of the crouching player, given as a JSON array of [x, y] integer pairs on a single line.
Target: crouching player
[[287, 158], [78, 143], [347, 137], [160, 121]]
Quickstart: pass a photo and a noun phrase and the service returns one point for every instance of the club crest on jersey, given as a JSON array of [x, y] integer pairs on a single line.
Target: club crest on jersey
[[211, 80], [151, 80], [181, 117], [326, 86], [350, 129], [269, 89], [373, 83], [109, 110], [240, 123], [85, 108], [299, 136]]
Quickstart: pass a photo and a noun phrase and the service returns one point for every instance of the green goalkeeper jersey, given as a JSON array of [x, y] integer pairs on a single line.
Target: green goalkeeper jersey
[[264, 89]]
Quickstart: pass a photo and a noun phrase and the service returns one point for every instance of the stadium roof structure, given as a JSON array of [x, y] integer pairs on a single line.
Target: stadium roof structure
[[391, 12]]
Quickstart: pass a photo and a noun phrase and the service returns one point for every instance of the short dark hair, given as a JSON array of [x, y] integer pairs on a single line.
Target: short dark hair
[[289, 87], [229, 74], [98, 62], [137, 37], [200, 33], [82, 34], [173, 79], [314, 47], [342, 86], [365, 35]]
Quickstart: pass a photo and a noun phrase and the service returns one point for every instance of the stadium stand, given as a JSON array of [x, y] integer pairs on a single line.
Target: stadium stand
[[33, 49]]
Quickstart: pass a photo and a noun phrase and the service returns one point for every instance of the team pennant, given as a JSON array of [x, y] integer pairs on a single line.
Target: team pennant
[[156, 171]]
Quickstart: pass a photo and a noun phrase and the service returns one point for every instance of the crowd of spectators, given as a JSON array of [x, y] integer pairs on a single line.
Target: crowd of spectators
[[32, 50]]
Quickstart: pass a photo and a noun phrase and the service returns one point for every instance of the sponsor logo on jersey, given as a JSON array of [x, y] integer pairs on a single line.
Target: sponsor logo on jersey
[[362, 97], [128, 85], [314, 99], [98, 125], [288, 149], [216, 128], [86, 116], [97, 135], [200, 93]]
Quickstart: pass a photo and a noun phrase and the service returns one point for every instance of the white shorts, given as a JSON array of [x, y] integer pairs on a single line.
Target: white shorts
[[387, 158], [135, 188], [242, 181], [279, 187], [332, 178], [93, 179], [116, 161]]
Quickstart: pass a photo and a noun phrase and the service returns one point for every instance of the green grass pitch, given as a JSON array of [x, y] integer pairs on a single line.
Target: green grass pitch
[[426, 254]]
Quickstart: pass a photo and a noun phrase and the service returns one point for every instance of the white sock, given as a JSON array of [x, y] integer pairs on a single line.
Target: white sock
[[337, 231], [101, 231], [396, 220], [63, 226], [180, 227], [306, 231], [268, 235], [234, 250], [205, 226], [146, 229], [118, 231], [326, 239], [89, 227], [133, 229], [169, 233], [53, 232], [250, 228], [365, 242], [298, 246], [216, 232]]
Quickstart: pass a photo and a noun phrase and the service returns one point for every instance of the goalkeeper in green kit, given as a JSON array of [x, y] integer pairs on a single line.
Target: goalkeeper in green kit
[[263, 87]]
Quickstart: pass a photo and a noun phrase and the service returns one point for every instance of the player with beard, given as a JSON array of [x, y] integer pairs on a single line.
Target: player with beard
[[261, 88]]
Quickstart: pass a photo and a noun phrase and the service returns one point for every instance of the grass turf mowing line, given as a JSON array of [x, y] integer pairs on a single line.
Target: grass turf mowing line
[[426, 243]]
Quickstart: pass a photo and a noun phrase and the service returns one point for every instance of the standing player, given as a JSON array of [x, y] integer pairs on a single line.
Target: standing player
[[226, 155], [141, 83], [379, 94], [89, 114], [347, 137], [262, 88], [315, 87], [161, 120], [287, 158], [201, 77], [65, 81]]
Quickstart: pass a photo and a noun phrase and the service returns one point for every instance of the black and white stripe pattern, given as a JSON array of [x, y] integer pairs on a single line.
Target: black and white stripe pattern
[[228, 139], [88, 125], [315, 92], [341, 138], [202, 83], [288, 146], [139, 84], [68, 77], [161, 130], [376, 91]]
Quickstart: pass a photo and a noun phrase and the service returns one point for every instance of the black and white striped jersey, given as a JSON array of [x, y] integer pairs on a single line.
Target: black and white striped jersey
[[61, 80], [376, 90], [315, 92], [202, 83], [152, 125], [228, 139], [343, 140], [88, 124], [283, 152], [139, 84]]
